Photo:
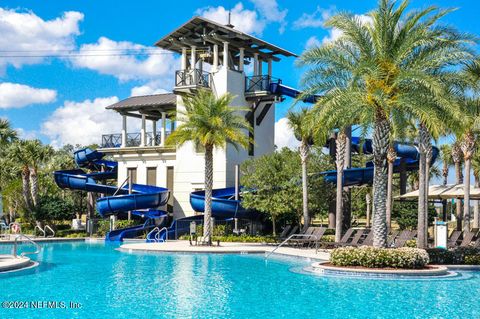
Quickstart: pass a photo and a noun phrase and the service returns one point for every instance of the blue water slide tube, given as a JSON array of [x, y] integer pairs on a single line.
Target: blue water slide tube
[[142, 196], [224, 204]]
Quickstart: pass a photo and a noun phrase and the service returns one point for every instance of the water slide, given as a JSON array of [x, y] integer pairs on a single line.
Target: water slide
[[224, 203], [143, 200]]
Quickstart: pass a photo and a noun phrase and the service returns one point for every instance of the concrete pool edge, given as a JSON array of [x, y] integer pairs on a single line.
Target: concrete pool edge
[[322, 268], [184, 247]]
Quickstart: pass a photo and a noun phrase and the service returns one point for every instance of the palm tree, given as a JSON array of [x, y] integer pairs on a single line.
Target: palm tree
[[381, 72], [18, 156], [211, 123], [424, 148], [7, 134], [37, 154], [298, 122]]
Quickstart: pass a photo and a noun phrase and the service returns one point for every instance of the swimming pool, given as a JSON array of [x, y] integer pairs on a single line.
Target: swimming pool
[[112, 284]]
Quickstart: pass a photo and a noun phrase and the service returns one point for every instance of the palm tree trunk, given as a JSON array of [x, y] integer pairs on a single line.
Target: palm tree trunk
[[424, 150], [368, 200], [34, 186], [456, 156], [391, 156], [340, 162], [207, 217], [304, 157], [476, 207], [26, 188], [468, 148], [380, 148], [421, 240], [466, 196], [428, 160]]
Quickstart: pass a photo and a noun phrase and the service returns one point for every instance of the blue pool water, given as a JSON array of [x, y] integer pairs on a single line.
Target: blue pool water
[[112, 284]]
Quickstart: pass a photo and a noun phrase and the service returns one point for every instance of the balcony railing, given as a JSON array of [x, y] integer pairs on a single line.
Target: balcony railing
[[133, 139], [258, 83], [194, 77]]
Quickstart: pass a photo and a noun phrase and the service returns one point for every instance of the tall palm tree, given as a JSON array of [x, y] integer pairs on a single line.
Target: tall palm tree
[[37, 155], [212, 123], [424, 148], [378, 73], [18, 155], [298, 122]]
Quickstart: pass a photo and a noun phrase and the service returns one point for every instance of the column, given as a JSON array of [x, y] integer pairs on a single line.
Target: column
[[142, 131], [269, 68], [193, 62], [215, 58], [225, 55], [124, 131], [162, 130], [260, 67], [154, 132], [255, 64], [240, 59], [184, 59]]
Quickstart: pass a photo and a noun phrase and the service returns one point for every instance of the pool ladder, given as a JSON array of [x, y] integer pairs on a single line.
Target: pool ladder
[[28, 239], [290, 237], [44, 230], [158, 233]]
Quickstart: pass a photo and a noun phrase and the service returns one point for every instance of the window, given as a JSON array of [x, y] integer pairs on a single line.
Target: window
[[132, 173], [152, 176]]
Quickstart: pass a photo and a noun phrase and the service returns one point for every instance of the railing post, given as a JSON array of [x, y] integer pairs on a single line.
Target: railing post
[[142, 131], [124, 131], [154, 133], [163, 128]]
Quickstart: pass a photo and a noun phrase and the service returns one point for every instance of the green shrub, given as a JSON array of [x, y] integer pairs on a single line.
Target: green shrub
[[238, 239], [370, 257], [412, 243], [328, 238], [103, 226], [454, 256]]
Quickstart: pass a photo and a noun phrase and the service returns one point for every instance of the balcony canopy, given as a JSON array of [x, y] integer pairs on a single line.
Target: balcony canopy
[[202, 33], [150, 105]]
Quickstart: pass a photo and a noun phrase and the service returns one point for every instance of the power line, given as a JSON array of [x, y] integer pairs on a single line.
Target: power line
[[82, 55]]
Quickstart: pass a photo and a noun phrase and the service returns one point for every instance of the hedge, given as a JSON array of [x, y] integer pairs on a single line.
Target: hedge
[[370, 257], [455, 256]]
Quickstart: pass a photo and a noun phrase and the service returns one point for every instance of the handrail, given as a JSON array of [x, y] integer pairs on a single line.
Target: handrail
[[15, 249], [50, 229], [123, 184], [153, 230], [39, 228], [157, 235], [290, 237]]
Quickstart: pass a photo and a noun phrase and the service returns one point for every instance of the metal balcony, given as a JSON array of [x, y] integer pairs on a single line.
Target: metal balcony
[[192, 79], [133, 140]]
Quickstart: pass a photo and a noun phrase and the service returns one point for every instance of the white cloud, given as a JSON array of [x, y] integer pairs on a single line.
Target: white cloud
[[26, 135], [153, 87], [315, 19], [25, 31], [312, 42], [82, 122], [334, 34], [284, 135], [14, 95], [155, 64], [244, 20], [270, 10]]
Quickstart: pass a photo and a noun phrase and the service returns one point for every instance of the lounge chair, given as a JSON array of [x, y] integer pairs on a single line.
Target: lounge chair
[[345, 238], [359, 234], [368, 241], [311, 238], [391, 237], [404, 236], [292, 231], [453, 239], [299, 238], [467, 239], [285, 231]]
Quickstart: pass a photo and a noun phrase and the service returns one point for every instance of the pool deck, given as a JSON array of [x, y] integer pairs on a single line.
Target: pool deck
[[11, 239], [183, 246]]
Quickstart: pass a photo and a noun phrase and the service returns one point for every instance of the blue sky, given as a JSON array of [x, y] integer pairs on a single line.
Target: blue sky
[[61, 100]]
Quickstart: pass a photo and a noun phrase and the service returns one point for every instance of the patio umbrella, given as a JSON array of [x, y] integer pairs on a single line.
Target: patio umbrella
[[434, 192]]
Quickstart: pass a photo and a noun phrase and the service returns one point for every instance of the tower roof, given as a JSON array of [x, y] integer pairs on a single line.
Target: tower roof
[[201, 32]]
